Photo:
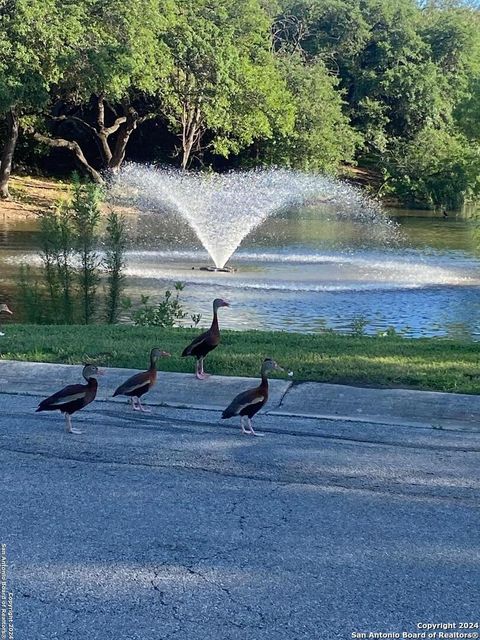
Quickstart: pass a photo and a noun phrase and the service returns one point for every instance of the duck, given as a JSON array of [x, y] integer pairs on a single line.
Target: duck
[[4, 309], [73, 397], [248, 403], [206, 342], [140, 383]]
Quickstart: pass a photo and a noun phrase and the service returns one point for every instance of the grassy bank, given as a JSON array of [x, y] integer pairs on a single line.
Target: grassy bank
[[441, 365]]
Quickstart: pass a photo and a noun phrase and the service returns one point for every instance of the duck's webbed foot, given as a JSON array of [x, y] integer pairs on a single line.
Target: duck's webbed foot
[[68, 426], [252, 432], [135, 403], [245, 432], [142, 408]]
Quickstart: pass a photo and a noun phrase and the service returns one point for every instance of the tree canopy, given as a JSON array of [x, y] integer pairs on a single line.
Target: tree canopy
[[390, 85]]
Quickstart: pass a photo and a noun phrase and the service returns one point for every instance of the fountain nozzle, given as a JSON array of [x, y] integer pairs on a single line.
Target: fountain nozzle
[[213, 269]]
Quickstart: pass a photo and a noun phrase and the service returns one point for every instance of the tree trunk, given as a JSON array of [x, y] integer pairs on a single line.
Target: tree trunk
[[124, 133], [74, 147], [191, 133], [8, 151], [102, 134], [187, 148], [125, 125]]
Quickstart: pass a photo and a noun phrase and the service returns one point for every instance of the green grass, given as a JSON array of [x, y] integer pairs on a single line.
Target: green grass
[[442, 365]]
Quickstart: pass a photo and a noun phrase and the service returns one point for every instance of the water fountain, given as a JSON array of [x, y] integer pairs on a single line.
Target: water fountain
[[311, 253], [223, 209]]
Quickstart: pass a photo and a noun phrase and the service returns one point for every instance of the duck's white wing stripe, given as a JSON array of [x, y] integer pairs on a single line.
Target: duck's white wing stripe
[[67, 399], [197, 342], [139, 385], [249, 403]]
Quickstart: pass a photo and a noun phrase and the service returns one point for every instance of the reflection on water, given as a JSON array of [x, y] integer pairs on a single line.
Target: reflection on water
[[304, 271]]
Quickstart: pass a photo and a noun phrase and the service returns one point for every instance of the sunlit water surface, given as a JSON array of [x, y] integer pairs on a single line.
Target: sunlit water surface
[[304, 270]]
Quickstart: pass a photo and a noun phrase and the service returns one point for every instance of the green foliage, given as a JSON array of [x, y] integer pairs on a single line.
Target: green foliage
[[224, 80], [85, 216], [29, 296], [410, 77], [322, 137], [66, 291], [120, 51], [196, 318], [114, 264], [358, 326], [436, 364], [57, 239], [37, 40], [312, 84], [437, 168], [167, 313]]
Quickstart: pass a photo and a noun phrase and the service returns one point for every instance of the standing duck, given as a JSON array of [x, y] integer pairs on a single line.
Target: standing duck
[[205, 342], [73, 397], [248, 403], [4, 309], [136, 386]]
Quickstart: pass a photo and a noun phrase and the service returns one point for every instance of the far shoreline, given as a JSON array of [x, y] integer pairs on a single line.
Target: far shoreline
[[31, 195]]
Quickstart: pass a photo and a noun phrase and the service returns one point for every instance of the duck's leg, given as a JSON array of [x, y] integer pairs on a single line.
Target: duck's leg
[[205, 375], [135, 403], [244, 431], [252, 432], [142, 408], [68, 425], [199, 372]]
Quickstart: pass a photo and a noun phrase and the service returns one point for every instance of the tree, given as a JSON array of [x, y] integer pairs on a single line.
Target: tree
[[322, 137], [105, 94], [407, 71], [437, 168], [36, 39], [85, 217], [114, 264], [224, 89]]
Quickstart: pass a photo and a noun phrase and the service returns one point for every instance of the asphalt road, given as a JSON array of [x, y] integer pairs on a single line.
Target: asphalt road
[[174, 525]]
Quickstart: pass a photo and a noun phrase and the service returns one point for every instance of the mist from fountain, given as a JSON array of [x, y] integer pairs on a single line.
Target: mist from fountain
[[223, 208]]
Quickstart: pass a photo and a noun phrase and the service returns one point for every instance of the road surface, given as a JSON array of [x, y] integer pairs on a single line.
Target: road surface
[[173, 525]]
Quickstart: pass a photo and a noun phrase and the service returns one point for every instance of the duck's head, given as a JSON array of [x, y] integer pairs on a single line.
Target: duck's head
[[91, 371], [157, 353], [4, 308], [219, 302], [270, 365]]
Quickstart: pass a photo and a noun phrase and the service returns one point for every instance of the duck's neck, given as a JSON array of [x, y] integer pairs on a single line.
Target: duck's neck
[[153, 363], [264, 383], [214, 326], [92, 383]]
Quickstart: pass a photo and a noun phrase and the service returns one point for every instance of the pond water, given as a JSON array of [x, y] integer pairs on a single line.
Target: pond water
[[304, 271]]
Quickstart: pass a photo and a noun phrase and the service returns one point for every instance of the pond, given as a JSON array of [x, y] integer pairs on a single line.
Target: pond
[[304, 271]]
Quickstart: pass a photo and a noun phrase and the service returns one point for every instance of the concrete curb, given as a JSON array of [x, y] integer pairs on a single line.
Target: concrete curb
[[317, 401]]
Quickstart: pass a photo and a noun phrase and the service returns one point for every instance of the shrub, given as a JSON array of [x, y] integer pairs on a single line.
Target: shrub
[[167, 313]]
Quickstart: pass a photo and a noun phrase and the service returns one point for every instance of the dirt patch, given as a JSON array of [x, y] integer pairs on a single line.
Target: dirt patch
[[30, 196]]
